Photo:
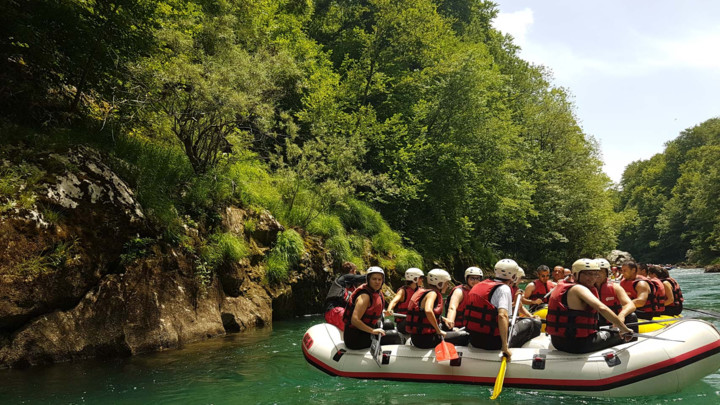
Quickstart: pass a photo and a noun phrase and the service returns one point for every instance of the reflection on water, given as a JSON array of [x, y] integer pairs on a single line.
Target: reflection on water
[[266, 366]]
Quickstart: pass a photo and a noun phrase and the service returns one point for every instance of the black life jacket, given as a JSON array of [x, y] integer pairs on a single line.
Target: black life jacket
[[460, 311], [570, 323], [373, 311], [338, 295], [480, 315], [417, 322]]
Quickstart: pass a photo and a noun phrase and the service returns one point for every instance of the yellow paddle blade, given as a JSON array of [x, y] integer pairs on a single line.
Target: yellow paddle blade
[[500, 379]]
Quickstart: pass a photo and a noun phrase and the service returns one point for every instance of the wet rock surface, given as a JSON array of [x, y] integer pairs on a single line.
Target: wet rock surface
[[71, 288]]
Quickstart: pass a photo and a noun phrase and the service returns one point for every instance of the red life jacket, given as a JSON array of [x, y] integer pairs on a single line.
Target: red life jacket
[[480, 315], [607, 296], [541, 290], [402, 308], [677, 292], [460, 312], [569, 323], [373, 311], [417, 323], [652, 304], [659, 307]]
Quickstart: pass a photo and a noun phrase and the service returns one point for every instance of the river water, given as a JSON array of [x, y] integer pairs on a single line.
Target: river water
[[267, 367]]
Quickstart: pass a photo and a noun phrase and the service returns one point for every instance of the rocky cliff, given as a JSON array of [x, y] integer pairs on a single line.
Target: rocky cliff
[[84, 274]]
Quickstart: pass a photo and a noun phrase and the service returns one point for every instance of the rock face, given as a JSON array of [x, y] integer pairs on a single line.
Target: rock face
[[70, 287], [618, 257]]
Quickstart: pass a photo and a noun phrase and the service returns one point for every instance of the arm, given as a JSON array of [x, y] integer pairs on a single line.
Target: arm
[[627, 305], [669, 297], [428, 305], [529, 289], [396, 300], [363, 301], [643, 290], [455, 300], [588, 298], [504, 326]]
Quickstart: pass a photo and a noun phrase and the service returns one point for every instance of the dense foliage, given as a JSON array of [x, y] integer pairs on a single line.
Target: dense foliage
[[671, 202], [317, 110]]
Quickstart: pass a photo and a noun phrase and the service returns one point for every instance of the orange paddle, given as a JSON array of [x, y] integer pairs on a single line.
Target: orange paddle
[[445, 351]]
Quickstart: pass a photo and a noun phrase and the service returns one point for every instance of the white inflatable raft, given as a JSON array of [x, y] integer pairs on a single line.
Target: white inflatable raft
[[644, 367]]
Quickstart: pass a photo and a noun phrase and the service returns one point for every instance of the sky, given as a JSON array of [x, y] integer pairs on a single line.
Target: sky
[[640, 72]]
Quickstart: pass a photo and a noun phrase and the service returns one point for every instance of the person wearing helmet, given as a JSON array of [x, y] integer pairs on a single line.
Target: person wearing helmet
[[537, 291], [641, 291], [673, 294], [339, 295], [612, 295], [424, 311], [413, 279], [458, 298], [365, 310], [487, 313], [572, 319]]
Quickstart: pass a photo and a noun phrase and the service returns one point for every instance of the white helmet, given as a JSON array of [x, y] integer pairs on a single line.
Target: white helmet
[[507, 269], [374, 269], [582, 265], [603, 263], [413, 274], [437, 276], [473, 271], [521, 272]]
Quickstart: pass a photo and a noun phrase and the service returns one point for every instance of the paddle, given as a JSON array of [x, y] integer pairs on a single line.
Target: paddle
[[704, 312], [445, 351], [642, 335], [375, 347], [497, 389], [662, 321]]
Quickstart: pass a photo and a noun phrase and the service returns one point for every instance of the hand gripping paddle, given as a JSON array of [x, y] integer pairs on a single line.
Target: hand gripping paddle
[[503, 366]]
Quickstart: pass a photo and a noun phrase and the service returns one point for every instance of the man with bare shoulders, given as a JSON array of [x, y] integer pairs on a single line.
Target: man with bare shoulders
[[640, 291], [612, 295], [572, 320]]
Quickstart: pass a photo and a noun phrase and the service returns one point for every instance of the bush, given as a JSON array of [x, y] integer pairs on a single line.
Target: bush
[[286, 253], [326, 226], [407, 258], [387, 242], [224, 248], [361, 217], [339, 248]]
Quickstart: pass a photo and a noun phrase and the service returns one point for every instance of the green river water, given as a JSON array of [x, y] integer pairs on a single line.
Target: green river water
[[267, 367]]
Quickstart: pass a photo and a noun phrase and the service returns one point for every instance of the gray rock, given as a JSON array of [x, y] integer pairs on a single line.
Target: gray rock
[[618, 257]]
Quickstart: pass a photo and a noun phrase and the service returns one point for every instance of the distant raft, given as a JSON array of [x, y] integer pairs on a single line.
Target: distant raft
[[645, 367]]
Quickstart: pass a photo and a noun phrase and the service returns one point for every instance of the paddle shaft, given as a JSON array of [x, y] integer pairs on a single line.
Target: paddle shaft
[[645, 335], [704, 312]]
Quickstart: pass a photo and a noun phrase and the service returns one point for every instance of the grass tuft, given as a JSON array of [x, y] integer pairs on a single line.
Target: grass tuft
[[286, 253]]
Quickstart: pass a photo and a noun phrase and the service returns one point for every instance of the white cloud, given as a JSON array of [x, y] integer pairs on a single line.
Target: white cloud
[[515, 24], [698, 50]]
